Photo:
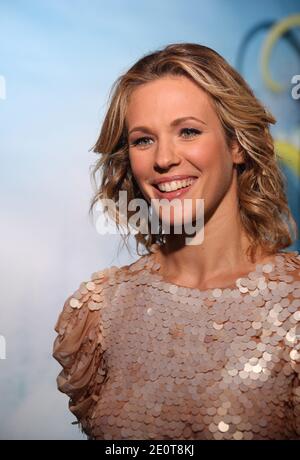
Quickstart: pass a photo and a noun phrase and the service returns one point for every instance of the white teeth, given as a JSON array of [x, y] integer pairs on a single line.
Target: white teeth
[[175, 185]]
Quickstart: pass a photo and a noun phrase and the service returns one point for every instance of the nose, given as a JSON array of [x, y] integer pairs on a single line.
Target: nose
[[165, 155]]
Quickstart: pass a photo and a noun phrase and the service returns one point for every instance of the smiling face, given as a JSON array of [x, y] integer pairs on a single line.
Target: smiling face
[[164, 146]]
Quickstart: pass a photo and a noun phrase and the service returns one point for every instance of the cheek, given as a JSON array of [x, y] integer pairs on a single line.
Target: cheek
[[140, 167], [141, 172], [137, 164], [209, 154]]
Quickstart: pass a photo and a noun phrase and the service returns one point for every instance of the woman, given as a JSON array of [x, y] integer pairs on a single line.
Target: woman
[[192, 341]]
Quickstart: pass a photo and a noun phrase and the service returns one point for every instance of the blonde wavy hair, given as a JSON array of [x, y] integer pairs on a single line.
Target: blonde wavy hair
[[264, 211]]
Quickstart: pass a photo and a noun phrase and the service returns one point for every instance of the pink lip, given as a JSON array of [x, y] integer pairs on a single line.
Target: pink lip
[[170, 178], [173, 194]]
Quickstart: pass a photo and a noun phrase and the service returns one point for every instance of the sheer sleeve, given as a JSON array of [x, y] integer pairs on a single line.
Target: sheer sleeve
[[78, 348]]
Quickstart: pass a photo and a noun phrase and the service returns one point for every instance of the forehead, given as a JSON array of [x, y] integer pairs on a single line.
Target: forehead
[[170, 96]]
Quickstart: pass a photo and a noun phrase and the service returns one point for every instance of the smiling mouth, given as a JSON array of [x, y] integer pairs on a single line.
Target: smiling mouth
[[173, 186], [174, 191]]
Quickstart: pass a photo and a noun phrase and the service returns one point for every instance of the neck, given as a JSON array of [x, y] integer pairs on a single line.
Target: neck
[[221, 256]]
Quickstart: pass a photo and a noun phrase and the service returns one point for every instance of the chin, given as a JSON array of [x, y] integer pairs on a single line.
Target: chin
[[181, 225]]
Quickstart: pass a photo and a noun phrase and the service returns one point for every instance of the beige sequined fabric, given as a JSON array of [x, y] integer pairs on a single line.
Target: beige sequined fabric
[[146, 359]]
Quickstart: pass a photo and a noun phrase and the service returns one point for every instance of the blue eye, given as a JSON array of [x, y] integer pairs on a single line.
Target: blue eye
[[138, 141], [191, 132]]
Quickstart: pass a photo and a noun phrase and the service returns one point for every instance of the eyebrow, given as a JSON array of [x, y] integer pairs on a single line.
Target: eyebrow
[[175, 122]]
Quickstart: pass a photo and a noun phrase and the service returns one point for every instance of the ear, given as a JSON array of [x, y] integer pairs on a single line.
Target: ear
[[237, 152]]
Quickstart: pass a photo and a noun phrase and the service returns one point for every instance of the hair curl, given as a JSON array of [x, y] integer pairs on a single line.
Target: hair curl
[[264, 211]]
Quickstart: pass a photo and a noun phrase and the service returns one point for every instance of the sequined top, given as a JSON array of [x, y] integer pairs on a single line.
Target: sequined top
[[144, 358]]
